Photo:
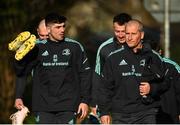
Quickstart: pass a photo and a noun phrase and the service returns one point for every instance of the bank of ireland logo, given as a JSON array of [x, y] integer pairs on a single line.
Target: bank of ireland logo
[[66, 52], [55, 58], [133, 69]]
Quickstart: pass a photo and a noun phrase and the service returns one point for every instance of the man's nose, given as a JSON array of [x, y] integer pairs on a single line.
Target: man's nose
[[121, 34], [128, 37]]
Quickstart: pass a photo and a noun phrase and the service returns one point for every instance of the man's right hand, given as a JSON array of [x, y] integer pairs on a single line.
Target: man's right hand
[[105, 119], [19, 104], [144, 88]]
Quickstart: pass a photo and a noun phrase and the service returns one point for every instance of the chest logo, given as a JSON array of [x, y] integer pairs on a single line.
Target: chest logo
[[66, 52], [45, 53], [123, 62]]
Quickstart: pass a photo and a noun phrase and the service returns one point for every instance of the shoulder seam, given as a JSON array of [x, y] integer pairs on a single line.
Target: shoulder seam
[[116, 51], [74, 41], [158, 55], [167, 60]]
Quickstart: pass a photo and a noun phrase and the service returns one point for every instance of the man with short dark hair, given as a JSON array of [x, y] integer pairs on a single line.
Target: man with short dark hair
[[117, 41], [61, 76]]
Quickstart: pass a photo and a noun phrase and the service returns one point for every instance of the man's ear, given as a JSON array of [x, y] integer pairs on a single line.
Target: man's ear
[[142, 35], [48, 29], [37, 31]]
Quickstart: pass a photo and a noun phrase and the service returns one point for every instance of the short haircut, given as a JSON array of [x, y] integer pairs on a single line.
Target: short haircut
[[140, 24], [122, 18], [54, 18]]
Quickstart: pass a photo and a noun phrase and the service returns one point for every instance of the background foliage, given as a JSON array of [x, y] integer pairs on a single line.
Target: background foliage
[[89, 21]]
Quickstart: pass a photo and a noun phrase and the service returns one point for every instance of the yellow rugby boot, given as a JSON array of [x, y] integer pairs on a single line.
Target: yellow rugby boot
[[19, 40], [25, 47]]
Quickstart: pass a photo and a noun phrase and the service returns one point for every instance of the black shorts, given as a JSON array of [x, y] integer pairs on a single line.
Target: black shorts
[[143, 117], [55, 117]]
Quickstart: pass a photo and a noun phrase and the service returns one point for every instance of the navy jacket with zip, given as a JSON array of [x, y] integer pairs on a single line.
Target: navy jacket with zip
[[103, 53], [61, 75], [170, 100], [122, 74]]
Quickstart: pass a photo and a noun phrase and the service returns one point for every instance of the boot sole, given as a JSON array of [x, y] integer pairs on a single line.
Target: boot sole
[[19, 40], [25, 47]]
